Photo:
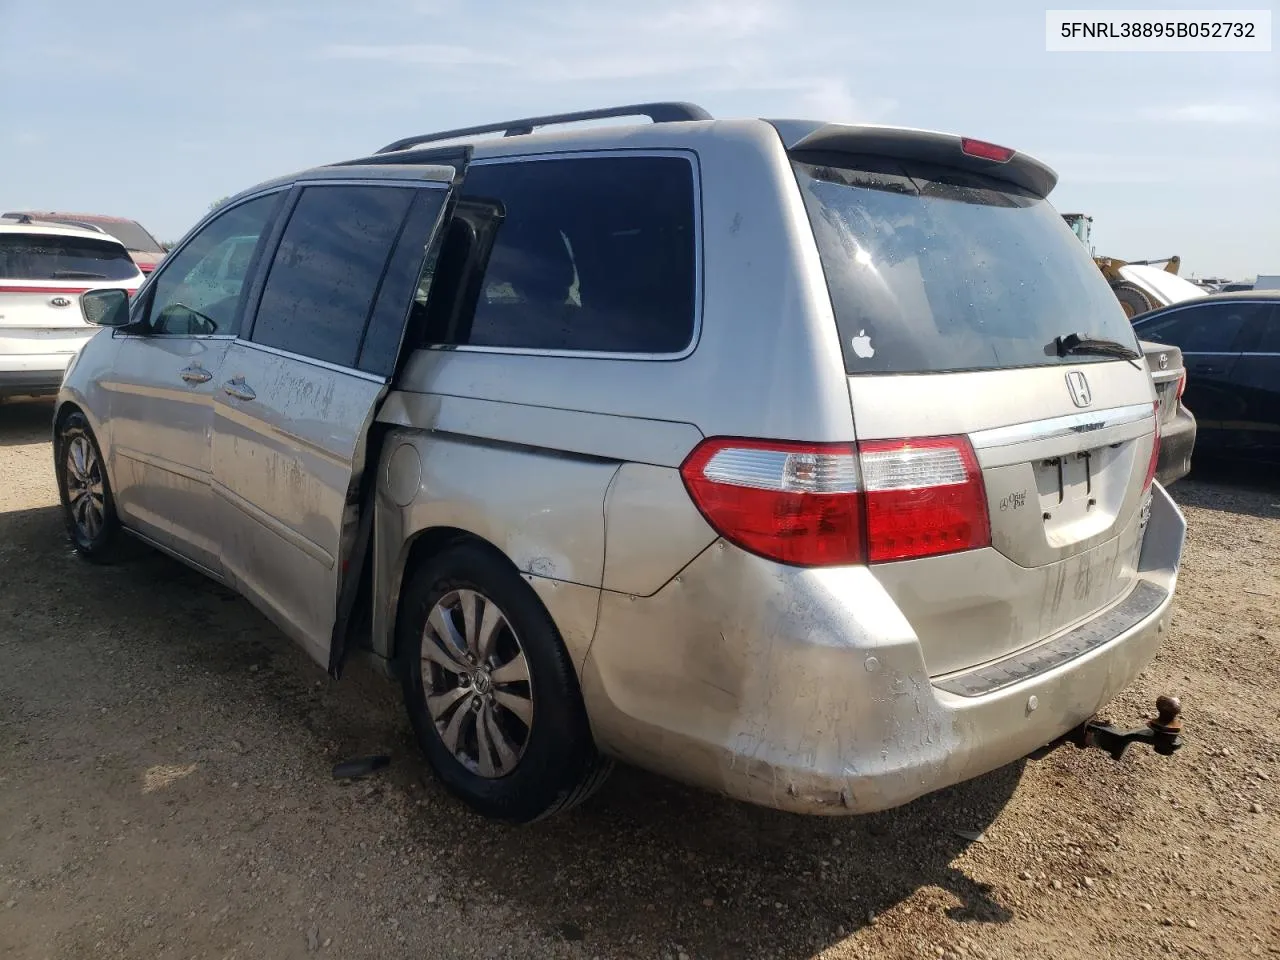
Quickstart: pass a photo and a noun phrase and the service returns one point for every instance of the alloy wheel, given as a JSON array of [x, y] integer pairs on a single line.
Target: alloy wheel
[[477, 685], [85, 488]]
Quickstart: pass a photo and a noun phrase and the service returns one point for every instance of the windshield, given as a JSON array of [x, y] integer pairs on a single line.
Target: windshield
[[932, 269], [28, 256]]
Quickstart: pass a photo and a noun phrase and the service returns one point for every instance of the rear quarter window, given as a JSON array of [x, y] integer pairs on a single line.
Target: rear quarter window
[[932, 269], [584, 254]]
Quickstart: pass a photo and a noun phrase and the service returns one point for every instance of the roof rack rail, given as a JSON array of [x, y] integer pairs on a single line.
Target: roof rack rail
[[657, 112]]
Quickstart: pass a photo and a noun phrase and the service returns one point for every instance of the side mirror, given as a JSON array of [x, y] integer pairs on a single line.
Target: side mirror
[[105, 308]]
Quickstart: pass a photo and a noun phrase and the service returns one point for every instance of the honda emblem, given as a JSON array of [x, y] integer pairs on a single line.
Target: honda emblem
[[1079, 387], [60, 302]]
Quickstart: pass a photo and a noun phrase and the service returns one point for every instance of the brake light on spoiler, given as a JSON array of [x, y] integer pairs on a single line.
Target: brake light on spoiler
[[986, 151], [831, 504]]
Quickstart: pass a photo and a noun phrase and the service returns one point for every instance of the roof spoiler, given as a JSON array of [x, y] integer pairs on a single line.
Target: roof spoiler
[[925, 145]]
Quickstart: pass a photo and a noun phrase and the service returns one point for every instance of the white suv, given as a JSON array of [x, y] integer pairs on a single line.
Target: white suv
[[43, 269]]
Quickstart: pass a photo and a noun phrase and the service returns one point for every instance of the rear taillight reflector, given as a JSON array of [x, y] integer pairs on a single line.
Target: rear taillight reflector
[[1182, 385], [791, 502], [1155, 455], [829, 504], [923, 497]]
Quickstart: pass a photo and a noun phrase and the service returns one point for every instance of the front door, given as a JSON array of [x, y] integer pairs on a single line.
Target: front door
[[298, 392], [162, 386]]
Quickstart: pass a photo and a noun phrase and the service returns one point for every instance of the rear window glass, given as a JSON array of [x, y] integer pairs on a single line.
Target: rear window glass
[[932, 269], [131, 235], [29, 256]]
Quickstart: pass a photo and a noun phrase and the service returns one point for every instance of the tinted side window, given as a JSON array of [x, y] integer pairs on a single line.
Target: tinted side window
[[327, 269], [1211, 328], [197, 290], [408, 272], [581, 254], [1269, 342]]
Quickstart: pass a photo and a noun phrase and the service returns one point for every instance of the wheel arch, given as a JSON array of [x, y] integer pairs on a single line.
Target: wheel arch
[[390, 575]]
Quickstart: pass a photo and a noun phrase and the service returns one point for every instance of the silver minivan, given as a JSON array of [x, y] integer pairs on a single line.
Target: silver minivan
[[809, 463]]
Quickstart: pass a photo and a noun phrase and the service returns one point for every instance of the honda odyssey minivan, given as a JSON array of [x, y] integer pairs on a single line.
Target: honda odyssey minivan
[[810, 463]]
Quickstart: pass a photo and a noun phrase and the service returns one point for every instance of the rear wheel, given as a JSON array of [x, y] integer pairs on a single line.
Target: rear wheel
[[490, 689], [88, 509], [1132, 299]]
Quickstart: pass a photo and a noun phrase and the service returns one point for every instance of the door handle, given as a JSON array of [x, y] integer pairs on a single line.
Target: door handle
[[236, 387], [196, 375]]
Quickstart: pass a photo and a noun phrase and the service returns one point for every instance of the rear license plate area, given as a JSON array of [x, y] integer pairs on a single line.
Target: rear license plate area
[[1065, 485]]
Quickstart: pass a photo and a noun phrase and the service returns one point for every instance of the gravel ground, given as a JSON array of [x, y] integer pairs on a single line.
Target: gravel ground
[[165, 793]]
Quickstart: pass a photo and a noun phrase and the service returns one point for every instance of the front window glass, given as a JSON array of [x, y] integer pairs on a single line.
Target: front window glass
[[198, 289]]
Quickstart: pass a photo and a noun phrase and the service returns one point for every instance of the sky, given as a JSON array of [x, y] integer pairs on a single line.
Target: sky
[[154, 110]]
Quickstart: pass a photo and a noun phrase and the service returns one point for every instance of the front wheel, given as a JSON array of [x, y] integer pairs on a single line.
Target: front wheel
[[88, 509], [491, 691]]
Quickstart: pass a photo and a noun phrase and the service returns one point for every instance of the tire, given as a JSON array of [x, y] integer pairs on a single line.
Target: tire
[[1132, 300], [537, 756], [88, 507]]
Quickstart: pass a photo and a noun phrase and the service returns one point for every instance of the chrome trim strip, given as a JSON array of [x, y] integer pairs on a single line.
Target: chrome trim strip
[[1056, 427], [410, 177], [323, 364], [177, 336], [290, 536], [698, 258]]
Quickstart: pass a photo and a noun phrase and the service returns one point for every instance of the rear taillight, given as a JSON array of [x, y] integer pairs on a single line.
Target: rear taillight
[[1155, 455], [792, 502], [923, 497], [987, 151], [828, 504], [1182, 385]]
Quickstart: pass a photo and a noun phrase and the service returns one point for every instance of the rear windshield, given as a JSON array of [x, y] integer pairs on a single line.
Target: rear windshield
[[932, 269], [26, 256], [131, 235]]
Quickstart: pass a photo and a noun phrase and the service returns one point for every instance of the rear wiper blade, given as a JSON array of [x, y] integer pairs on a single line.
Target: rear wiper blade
[[78, 275], [1079, 344]]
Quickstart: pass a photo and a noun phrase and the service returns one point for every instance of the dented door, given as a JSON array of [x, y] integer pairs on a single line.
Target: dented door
[[298, 394]]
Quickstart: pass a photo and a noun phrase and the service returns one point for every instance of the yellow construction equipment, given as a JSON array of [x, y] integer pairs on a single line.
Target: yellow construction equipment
[[1133, 299]]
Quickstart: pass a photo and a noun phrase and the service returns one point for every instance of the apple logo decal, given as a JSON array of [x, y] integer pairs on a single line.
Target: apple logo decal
[[862, 345]]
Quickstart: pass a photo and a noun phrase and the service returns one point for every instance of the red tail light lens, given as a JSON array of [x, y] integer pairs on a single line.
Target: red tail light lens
[[923, 497], [1155, 455], [832, 504], [1182, 385], [987, 151], [791, 502]]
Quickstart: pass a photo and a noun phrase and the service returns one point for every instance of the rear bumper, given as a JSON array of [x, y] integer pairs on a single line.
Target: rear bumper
[[31, 375], [806, 690], [1177, 441]]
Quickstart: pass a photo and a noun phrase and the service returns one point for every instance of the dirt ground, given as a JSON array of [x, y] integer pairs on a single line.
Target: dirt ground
[[165, 792]]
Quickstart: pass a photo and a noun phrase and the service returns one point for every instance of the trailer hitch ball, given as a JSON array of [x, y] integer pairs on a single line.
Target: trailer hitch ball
[[1168, 715], [1163, 734]]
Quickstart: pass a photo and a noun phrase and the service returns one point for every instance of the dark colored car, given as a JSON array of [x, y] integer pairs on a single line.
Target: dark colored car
[[1177, 424], [1230, 345], [145, 250]]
